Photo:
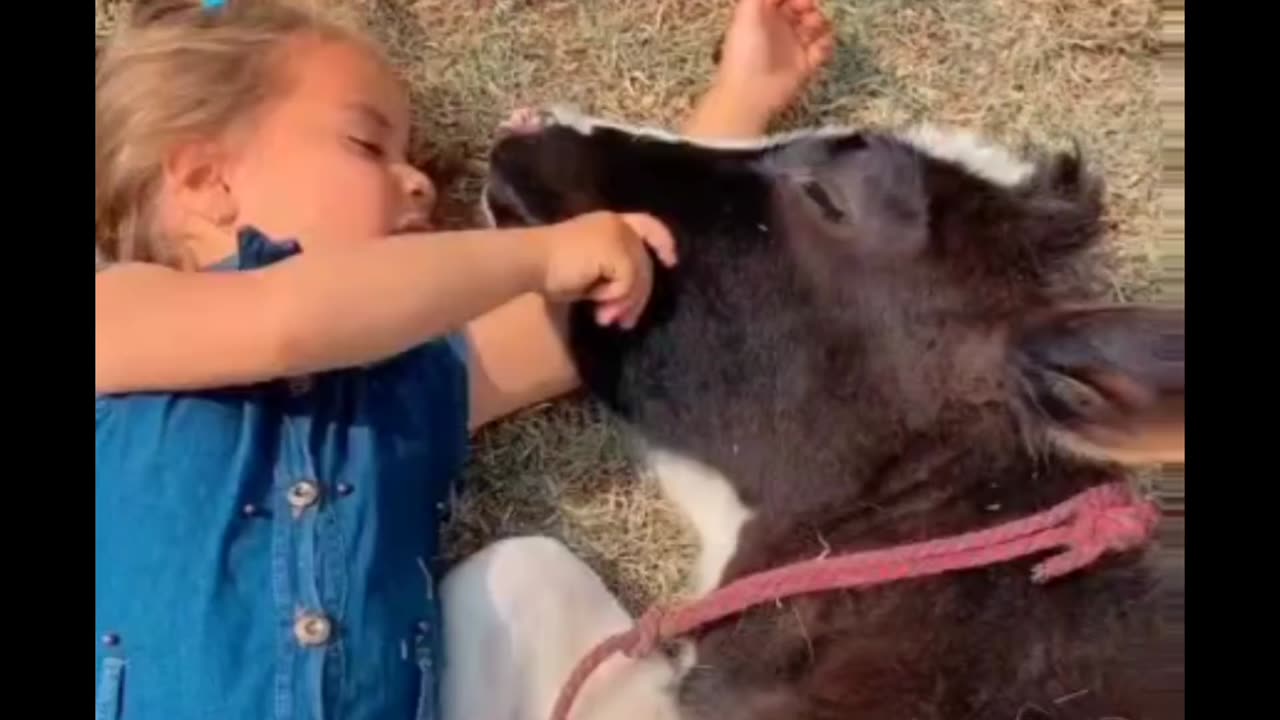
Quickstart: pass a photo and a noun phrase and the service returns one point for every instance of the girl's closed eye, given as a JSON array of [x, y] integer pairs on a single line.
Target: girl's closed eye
[[369, 147]]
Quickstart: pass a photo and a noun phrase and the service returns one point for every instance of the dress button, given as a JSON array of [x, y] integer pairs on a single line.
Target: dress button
[[312, 629], [110, 639], [344, 489], [301, 385], [302, 495]]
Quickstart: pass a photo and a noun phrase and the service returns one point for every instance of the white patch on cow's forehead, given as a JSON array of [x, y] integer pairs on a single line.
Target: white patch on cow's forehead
[[982, 157], [977, 155], [585, 124]]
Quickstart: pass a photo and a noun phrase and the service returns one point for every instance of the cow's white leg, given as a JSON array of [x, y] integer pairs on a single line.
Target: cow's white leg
[[518, 616]]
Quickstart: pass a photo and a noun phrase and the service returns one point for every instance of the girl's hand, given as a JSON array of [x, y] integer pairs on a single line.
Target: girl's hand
[[602, 257]]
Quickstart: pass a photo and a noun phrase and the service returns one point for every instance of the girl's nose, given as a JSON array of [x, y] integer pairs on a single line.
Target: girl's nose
[[419, 189]]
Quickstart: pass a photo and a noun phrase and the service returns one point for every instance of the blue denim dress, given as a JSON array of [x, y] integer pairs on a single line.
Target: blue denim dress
[[268, 552]]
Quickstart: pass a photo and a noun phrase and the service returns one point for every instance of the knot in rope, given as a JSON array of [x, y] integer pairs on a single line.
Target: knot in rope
[[1108, 518], [646, 635]]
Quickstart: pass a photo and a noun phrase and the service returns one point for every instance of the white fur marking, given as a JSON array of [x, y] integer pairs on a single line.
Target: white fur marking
[[489, 218], [586, 124], [712, 506], [982, 157], [518, 616], [979, 156]]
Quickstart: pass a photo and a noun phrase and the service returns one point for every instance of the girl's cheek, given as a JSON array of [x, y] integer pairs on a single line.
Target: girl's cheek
[[394, 202]]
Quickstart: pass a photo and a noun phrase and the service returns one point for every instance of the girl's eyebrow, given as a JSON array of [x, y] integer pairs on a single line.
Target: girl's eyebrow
[[370, 113]]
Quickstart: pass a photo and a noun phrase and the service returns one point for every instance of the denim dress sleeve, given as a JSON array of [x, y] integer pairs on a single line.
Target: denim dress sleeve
[[271, 551]]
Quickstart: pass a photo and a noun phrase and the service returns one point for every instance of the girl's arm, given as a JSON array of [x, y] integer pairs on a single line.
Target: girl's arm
[[160, 329], [517, 357], [518, 352], [772, 49]]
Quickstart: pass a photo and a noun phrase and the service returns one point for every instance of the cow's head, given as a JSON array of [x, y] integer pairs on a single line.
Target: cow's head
[[870, 334], [937, 269]]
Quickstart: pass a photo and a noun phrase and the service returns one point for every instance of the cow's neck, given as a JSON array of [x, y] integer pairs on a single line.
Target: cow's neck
[[939, 492]]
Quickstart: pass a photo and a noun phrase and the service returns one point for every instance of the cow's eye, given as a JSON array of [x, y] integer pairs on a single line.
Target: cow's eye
[[819, 196]]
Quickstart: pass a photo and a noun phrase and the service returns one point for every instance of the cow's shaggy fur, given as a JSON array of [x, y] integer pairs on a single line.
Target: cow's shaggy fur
[[869, 340]]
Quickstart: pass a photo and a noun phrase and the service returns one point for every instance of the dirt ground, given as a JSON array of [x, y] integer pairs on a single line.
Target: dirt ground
[[1046, 71]]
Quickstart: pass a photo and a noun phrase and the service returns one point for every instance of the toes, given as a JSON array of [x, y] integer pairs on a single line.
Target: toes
[[756, 8], [801, 9], [819, 54], [813, 27], [520, 117], [789, 11], [523, 121], [807, 19]]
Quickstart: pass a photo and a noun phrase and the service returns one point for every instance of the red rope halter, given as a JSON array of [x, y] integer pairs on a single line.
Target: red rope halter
[[1107, 518]]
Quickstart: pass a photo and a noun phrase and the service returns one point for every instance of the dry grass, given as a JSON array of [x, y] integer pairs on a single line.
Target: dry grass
[[1050, 71], [562, 470]]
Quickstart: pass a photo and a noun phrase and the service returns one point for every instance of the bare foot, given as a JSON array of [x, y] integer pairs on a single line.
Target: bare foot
[[772, 50], [523, 121]]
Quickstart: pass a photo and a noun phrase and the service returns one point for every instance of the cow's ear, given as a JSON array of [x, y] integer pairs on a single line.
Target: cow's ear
[[866, 190], [1060, 209], [1107, 381]]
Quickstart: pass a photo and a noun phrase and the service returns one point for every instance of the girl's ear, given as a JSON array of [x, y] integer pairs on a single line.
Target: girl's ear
[[195, 176]]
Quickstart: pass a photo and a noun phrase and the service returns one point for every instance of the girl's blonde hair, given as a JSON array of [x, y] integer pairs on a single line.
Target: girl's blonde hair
[[177, 71]]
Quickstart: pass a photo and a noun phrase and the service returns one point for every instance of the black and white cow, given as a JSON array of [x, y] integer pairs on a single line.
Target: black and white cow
[[869, 340]]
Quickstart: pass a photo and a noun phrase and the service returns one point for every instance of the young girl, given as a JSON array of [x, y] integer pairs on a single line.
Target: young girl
[[288, 361]]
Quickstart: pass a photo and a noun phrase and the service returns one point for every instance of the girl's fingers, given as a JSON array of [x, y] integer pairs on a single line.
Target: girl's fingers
[[630, 315], [610, 291], [654, 234], [623, 313], [623, 303], [624, 289], [614, 300], [606, 314], [631, 311]]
